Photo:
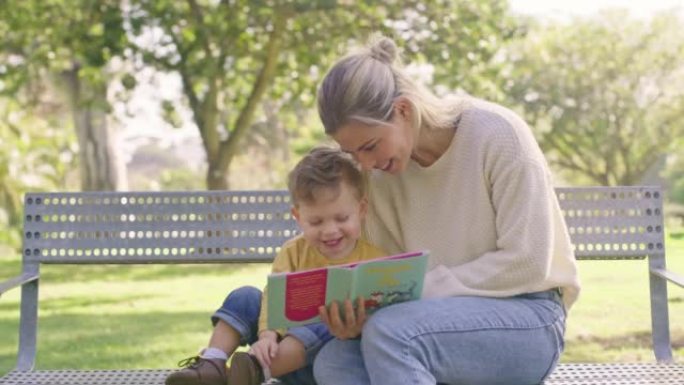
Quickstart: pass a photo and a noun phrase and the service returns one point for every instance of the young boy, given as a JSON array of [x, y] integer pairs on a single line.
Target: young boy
[[329, 203]]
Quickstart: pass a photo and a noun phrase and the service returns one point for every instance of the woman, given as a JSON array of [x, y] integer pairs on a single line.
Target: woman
[[465, 179]]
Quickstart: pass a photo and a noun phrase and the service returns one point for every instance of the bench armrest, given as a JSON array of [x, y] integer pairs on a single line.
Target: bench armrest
[[17, 281], [673, 277]]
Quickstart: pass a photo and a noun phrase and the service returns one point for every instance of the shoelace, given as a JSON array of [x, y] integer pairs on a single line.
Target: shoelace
[[188, 362], [194, 362]]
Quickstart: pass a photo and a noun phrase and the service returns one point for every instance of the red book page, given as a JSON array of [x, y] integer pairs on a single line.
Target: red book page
[[304, 293]]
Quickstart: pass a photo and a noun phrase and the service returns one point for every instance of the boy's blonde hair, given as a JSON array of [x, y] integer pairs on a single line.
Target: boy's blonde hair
[[324, 168]]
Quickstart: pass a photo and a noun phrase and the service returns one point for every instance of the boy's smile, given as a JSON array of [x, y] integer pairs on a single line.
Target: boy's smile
[[332, 223]]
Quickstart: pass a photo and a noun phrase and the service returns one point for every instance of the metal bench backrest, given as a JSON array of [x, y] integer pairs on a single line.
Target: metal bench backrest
[[156, 227], [250, 226], [614, 222]]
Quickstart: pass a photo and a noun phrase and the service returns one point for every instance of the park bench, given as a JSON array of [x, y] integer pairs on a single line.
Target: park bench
[[606, 223]]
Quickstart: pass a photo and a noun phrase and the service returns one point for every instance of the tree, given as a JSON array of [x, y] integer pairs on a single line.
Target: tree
[[462, 41], [233, 55], [35, 154], [70, 43], [605, 93], [674, 175]]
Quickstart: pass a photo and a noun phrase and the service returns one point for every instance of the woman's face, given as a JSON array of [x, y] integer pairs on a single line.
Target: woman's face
[[386, 147]]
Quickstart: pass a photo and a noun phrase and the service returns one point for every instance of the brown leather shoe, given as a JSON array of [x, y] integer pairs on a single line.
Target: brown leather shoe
[[245, 370], [199, 371]]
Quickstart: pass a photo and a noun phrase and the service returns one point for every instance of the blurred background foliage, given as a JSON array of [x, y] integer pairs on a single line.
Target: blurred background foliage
[[231, 87], [604, 94]]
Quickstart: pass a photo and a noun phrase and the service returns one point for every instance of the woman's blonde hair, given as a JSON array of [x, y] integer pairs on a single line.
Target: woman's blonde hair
[[363, 86]]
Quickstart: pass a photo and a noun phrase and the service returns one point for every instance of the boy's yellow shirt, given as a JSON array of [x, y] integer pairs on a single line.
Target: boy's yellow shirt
[[297, 254]]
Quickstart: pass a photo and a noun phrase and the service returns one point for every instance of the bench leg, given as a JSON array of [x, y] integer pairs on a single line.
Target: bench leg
[[28, 325], [660, 317]]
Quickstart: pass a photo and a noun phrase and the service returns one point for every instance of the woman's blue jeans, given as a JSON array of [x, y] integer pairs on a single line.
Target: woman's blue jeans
[[456, 340], [241, 310]]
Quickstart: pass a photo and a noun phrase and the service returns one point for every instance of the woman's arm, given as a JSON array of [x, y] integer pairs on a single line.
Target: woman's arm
[[527, 227]]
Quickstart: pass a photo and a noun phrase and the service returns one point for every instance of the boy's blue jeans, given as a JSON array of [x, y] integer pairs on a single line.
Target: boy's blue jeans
[[241, 310], [455, 340]]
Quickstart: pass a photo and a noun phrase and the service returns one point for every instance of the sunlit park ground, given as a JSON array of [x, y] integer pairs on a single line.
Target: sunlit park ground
[[153, 316]]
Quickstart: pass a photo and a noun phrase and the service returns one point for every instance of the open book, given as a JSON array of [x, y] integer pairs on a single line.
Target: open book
[[294, 298]]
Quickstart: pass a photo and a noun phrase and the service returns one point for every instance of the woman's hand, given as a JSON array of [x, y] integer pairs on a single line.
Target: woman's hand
[[353, 321], [265, 348]]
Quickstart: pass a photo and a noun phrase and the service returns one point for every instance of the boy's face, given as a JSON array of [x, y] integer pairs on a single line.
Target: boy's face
[[332, 223]]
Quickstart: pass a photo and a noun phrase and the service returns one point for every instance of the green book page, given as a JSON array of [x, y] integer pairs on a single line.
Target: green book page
[[276, 302], [390, 281], [339, 284]]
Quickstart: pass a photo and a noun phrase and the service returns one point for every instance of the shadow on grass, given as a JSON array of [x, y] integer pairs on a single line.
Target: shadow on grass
[[67, 273], [159, 339], [85, 273], [77, 303], [626, 347], [135, 341], [633, 340], [637, 340], [9, 268]]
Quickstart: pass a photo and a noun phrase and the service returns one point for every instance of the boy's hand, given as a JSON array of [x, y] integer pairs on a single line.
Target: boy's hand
[[353, 321], [265, 348]]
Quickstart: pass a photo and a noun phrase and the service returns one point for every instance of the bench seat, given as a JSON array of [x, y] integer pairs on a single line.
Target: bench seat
[[617, 374], [565, 374], [86, 377]]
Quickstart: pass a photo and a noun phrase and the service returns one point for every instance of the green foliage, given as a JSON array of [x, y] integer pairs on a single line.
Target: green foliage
[[606, 93], [59, 36], [233, 56], [180, 179], [461, 39], [35, 154], [675, 177], [70, 45]]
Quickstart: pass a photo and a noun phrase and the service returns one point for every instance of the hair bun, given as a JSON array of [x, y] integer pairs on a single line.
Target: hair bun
[[383, 49]]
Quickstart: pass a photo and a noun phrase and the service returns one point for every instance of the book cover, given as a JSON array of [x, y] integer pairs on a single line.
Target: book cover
[[294, 298]]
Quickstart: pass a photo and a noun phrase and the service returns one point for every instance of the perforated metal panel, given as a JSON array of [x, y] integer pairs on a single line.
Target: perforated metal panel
[[565, 374], [156, 227], [617, 374], [98, 227], [614, 222], [86, 377]]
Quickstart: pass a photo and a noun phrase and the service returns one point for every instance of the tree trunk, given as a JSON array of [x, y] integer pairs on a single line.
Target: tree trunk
[[101, 167], [217, 179], [229, 147]]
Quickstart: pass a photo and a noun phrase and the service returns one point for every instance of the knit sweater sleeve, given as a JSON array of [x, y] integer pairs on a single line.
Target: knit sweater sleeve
[[521, 197], [524, 244]]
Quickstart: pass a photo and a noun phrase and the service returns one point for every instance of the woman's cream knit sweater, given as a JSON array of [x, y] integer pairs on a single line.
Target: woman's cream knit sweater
[[486, 209]]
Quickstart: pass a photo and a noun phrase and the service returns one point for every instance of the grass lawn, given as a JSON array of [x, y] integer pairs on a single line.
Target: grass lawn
[[611, 320], [152, 316]]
